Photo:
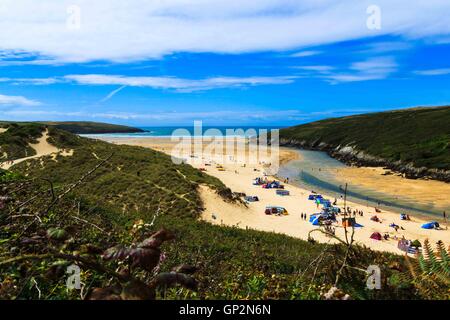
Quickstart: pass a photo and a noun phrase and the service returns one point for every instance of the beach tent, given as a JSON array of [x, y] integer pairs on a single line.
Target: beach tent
[[376, 236], [334, 209], [316, 221], [251, 198], [276, 210], [430, 225], [314, 197], [328, 216], [326, 203], [282, 192], [357, 225]]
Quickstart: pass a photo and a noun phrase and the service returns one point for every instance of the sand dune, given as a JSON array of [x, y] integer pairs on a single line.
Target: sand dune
[[42, 148]]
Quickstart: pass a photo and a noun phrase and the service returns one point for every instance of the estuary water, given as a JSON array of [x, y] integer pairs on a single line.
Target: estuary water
[[317, 171]]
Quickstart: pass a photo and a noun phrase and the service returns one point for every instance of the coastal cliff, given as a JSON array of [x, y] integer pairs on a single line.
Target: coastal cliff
[[412, 142], [354, 157]]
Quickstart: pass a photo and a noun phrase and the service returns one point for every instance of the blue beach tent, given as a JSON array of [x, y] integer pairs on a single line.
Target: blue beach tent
[[327, 203], [430, 225]]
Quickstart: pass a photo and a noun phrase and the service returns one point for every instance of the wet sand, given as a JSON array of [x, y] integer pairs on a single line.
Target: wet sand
[[424, 192]]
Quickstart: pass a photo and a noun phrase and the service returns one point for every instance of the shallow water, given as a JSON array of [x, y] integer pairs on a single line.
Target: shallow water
[[316, 171]]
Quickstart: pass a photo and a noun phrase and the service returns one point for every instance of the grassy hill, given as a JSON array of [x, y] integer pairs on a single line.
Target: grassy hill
[[83, 127], [415, 141], [73, 207]]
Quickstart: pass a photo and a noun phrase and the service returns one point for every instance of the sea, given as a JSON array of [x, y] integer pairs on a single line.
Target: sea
[[316, 170], [244, 131]]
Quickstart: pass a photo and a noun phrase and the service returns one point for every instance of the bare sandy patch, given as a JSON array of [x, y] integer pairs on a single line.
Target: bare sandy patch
[[42, 148]]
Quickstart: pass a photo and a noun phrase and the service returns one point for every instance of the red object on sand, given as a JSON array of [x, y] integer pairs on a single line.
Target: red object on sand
[[376, 236]]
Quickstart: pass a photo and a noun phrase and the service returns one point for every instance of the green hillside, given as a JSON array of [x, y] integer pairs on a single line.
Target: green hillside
[[419, 136], [55, 211], [83, 127]]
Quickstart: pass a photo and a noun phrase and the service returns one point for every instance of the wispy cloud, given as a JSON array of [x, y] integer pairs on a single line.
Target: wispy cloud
[[302, 54], [31, 81], [433, 72], [178, 84], [320, 69], [113, 93], [387, 46], [371, 69], [17, 101], [35, 62]]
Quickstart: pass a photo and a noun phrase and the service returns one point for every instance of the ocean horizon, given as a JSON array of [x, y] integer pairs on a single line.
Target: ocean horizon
[[169, 131]]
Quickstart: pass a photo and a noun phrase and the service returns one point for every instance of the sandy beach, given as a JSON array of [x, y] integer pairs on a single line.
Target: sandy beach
[[239, 179], [425, 192]]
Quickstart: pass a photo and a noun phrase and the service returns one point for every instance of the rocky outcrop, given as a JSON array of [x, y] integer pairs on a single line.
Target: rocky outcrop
[[350, 155]]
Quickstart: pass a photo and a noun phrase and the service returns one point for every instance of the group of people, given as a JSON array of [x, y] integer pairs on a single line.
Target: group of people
[[355, 212], [303, 216]]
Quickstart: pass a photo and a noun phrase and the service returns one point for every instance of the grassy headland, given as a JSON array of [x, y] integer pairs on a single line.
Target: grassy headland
[[82, 127], [413, 141]]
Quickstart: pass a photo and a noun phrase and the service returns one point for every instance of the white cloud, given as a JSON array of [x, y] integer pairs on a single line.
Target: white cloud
[[178, 84], [371, 69], [17, 101], [387, 46], [433, 72], [320, 69], [120, 30], [302, 54], [32, 81]]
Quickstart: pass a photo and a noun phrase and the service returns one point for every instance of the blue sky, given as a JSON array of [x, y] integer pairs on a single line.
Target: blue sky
[[269, 62]]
